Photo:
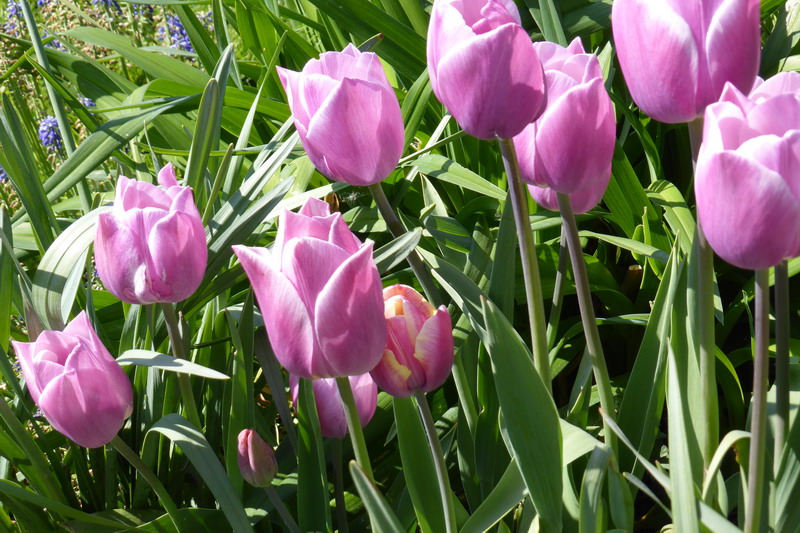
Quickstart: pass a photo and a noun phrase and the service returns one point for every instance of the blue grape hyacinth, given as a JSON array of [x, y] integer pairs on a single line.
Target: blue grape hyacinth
[[178, 37], [49, 135]]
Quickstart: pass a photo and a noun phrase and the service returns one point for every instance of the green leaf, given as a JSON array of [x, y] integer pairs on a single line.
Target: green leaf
[[206, 131], [162, 361], [448, 171], [381, 515], [419, 470], [312, 480], [391, 254], [531, 419], [592, 508], [178, 430], [58, 277], [684, 499], [630, 245]]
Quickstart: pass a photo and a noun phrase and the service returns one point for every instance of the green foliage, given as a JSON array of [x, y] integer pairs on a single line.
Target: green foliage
[[517, 459]]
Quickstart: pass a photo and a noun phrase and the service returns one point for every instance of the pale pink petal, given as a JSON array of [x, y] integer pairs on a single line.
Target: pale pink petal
[[166, 177], [285, 315], [662, 78], [434, 349], [494, 83], [733, 46], [575, 139], [740, 204], [358, 132], [349, 319]]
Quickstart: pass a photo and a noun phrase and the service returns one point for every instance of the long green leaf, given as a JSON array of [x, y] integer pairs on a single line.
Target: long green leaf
[[194, 445], [531, 419]]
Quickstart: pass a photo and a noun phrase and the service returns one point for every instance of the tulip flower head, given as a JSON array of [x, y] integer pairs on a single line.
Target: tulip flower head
[[330, 407], [748, 174], [347, 115], [677, 55], [570, 146], [256, 459], [79, 387], [320, 294], [483, 66], [152, 246], [419, 345]]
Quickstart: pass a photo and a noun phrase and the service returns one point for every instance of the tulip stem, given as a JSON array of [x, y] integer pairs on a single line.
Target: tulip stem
[[593, 344], [179, 351], [279, 506], [151, 479], [530, 262], [414, 260], [781, 356], [758, 416], [438, 460], [354, 425]]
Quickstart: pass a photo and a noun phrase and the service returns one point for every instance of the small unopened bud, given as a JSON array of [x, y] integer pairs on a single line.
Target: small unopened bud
[[256, 459]]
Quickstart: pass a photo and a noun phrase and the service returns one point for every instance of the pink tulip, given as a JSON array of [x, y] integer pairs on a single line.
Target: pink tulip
[[152, 246], [748, 174], [256, 459], [677, 55], [330, 408], [570, 146], [483, 66], [76, 383], [320, 294], [347, 115], [419, 346]]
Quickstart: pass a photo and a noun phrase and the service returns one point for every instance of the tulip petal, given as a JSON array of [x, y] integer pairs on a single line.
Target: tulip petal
[[306, 94], [392, 376], [350, 63], [583, 120], [166, 176], [78, 404], [358, 132], [25, 351], [132, 194], [365, 393], [663, 79], [119, 258], [342, 236], [733, 46], [349, 319], [309, 264], [776, 115], [494, 83], [183, 202], [446, 27], [293, 225], [746, 235], [314, 207], [178, 253], [781, 83], [435, 349], [285, 315], [330, 410]]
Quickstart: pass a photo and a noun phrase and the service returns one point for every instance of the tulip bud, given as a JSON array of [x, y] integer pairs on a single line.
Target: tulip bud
[[329, 404], [347, 115], [152, 246], [256, 459], [419, 346], [677, 55], [747, 181], [483, 66], [319, 292], [79, 387], [570, 146]]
